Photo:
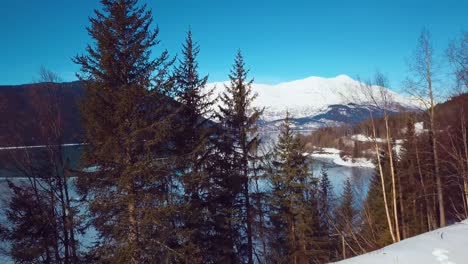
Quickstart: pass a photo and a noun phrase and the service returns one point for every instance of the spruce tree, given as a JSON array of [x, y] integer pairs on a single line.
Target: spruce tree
[[35, 234], [194, 146], [294, 212], [239, 120], [128, 124], [375, 229], [415, 201], [346, 214], [326, 208]]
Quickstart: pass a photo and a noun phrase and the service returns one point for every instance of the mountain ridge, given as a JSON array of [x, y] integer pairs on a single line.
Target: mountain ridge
[[318, 98]]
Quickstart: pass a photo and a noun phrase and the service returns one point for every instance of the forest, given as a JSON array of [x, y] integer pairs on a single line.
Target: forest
[[166, 178]]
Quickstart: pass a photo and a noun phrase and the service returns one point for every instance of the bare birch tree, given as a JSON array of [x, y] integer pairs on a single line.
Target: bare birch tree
[[377, 97], [457, 54], [421, 86]]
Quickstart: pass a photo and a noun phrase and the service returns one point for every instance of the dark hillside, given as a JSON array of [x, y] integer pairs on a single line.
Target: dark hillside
[[21, 114]]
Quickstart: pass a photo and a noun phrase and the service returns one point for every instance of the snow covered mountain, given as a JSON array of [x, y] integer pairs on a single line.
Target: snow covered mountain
[[315, 101]]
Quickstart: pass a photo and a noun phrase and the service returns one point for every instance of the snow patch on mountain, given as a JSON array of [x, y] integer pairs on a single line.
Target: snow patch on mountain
[[309, 97]]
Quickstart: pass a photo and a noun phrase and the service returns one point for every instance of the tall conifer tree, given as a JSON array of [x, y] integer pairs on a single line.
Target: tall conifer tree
[[127, 124], [240, 121], [346, 214], [294, 212], [194, 145], [326, 203]]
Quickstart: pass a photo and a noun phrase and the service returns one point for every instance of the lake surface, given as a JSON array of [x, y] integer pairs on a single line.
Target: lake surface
[[360, 178]]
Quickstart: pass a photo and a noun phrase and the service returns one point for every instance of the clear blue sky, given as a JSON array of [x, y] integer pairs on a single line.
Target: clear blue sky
[[281, 40]]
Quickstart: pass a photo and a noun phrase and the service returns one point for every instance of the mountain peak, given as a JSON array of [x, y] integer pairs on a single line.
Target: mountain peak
[[343, 77], [309, 96]]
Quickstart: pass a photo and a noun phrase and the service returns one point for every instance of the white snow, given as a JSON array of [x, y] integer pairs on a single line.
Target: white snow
[[446, 245], [39, 146], [331, 150], [365, 138], [333, 155], [308, 96], [398, 148], [419, 128]]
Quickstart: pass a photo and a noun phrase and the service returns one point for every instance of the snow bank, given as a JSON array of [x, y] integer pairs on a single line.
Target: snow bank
[[333, 155], [365, 138], [446, 245], [419, 128]]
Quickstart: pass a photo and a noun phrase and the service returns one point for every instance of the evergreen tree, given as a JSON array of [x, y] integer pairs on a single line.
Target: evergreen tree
[[194, 146], [128, 122], [239, 120], [346, 215], [375, 229], [418, 214], [294, 212], [224, 216], [34, 238], [326, 208]]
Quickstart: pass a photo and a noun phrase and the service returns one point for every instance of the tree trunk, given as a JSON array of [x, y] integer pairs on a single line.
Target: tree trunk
[[402, 208], [293, 242], [132, 226], [429, 212], [382, 180], [249, 221], [465, 145], [245, 171], [392, 174], [261, 219], [440, 193], [70, 219], [343, 248]]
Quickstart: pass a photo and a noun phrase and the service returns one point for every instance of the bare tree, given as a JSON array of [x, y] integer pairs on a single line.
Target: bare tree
[[47, 188], [385, 103], [457, 54], [423, 68], [377, 97]]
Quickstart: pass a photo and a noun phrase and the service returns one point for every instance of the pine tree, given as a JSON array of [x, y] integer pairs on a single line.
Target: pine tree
[[224, 216], [194, 145], [419, 216], [375, 229], [294, 210], [326, 208], [128, 123], [346, 215], [34, 238], [239, 120]]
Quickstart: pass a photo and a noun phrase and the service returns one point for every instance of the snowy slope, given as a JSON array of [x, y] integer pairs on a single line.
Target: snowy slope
[[448, 245], [308, 97], [332, 155]]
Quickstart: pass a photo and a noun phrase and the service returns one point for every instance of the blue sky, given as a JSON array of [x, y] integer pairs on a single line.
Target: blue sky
[[281, 40]]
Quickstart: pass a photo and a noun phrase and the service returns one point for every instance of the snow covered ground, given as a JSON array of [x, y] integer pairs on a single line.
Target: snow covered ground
[[448, 245], [365, 138], [333, 155]]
